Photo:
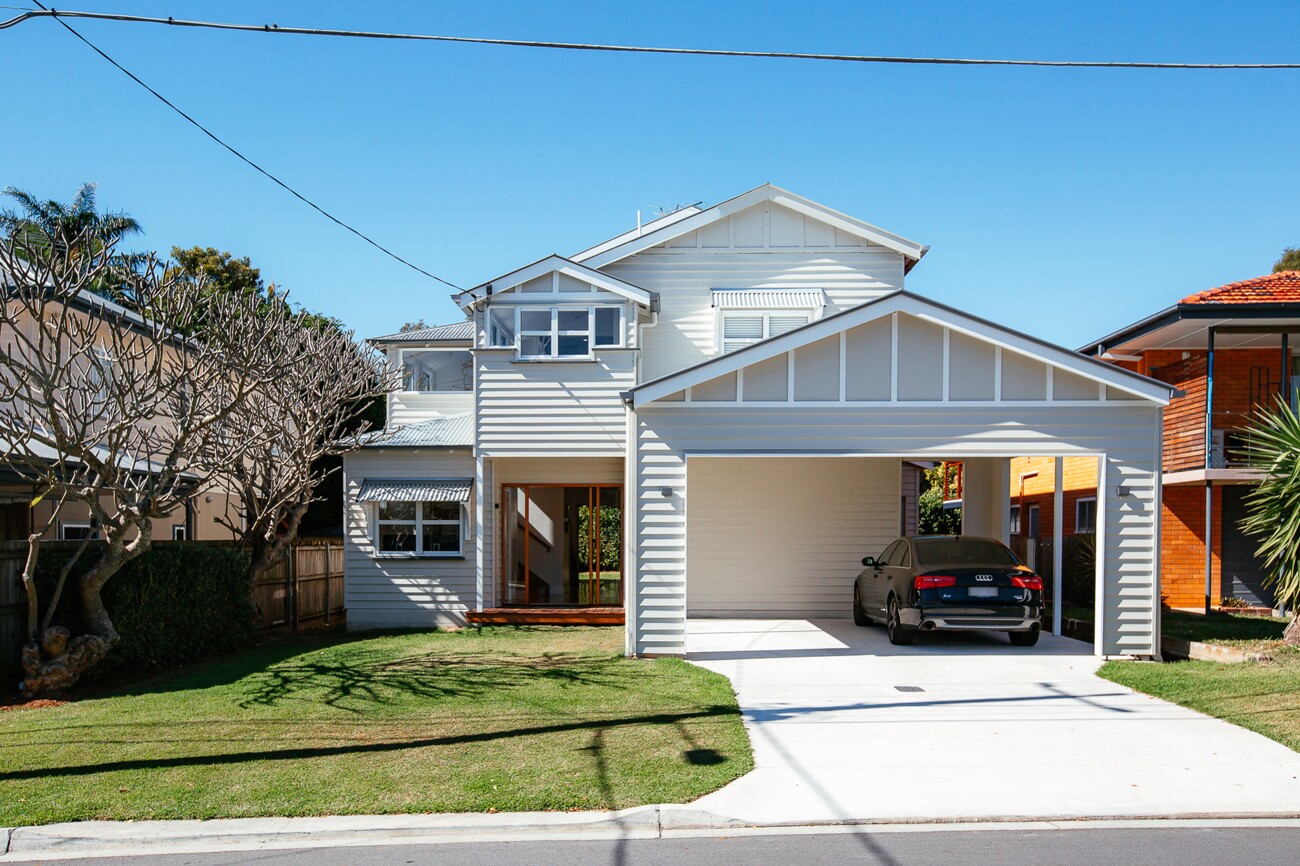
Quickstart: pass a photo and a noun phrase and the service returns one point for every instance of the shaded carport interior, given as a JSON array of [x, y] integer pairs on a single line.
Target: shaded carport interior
[[784, 536]]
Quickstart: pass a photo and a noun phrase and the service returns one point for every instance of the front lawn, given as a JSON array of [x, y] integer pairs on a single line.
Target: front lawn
[[1218, 627], [1261, 696], [506, 719]]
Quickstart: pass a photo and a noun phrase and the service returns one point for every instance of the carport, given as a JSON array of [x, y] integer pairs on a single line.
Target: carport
[[759, 479]]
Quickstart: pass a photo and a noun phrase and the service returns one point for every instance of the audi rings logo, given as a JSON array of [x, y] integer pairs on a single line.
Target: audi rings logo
[[984, 578]]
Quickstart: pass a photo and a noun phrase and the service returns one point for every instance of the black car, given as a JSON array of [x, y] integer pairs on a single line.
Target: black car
[[949, 582]]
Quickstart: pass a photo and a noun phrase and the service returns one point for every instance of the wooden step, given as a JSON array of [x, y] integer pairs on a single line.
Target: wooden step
[[546, 616]]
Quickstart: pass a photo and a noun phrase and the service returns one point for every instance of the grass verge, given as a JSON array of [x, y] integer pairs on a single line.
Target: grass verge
[[1261, 696], [504, 719]]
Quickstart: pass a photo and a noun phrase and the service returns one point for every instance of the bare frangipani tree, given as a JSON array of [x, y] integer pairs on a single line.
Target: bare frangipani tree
[[311, 413], [125, 411]]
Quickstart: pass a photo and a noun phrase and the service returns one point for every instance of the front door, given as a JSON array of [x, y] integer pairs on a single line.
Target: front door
[[562, 545]]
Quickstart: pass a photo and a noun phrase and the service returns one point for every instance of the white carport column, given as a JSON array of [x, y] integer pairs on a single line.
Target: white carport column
[[1058, 545], [986, 497]]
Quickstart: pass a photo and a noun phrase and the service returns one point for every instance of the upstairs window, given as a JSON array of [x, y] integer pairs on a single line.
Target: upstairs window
[[740, 329], [555, 332], [437, 370]]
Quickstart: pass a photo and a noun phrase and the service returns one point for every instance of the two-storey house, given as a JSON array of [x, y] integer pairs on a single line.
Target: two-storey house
[[710, 415]]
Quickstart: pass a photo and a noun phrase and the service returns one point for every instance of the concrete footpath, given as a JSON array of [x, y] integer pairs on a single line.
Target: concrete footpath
[[91, 839]]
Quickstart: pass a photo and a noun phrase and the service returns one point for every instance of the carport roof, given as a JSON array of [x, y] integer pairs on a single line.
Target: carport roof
[[902, 301]]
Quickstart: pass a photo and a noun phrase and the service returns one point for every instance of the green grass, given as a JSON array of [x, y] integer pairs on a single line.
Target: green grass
[[1218, 627], [506, 719], [1261, 696]]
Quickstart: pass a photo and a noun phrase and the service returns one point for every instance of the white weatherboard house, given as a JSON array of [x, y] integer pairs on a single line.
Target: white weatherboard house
[[709, 415]]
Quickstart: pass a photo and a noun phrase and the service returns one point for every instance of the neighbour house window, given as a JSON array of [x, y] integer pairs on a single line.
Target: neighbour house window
[[420, 528], [1085, 514], [99, 376], [555, 332], [742, 328], [1015, 520], [76, 531], [178, 532], [1033, 521], [436, 370]]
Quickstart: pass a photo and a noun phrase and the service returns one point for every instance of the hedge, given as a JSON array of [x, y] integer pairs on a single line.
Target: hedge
[[176, 603]]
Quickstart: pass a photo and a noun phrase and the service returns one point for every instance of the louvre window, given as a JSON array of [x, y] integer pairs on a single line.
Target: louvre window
[[740, 329]]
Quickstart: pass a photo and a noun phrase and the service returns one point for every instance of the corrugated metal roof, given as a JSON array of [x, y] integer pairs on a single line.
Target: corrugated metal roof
[[415, 490], [453, 332], [450, 431], [768, 299]]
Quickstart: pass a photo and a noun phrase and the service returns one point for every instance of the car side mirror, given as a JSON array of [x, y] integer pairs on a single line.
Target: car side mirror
[[868, 561]]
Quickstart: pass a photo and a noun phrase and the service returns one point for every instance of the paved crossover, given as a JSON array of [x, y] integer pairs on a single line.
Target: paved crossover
[[847, 727]]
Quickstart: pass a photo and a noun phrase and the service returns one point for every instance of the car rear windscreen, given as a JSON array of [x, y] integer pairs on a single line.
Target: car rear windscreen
[[960, 551]]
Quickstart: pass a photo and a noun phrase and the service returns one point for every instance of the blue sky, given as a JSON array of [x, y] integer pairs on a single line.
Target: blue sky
[[1062, 202]]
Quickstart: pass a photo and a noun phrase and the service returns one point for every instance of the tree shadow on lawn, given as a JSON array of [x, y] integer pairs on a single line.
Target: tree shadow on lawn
[[354, 685], [301, 753]]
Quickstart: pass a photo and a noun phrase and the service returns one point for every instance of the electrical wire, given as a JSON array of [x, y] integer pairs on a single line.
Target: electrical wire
[[210, 134], [638, 49]]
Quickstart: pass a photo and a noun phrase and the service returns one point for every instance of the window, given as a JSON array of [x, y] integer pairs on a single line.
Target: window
[[100, 376], [419, 528], [436, 370], [890, 551], [76, 531], [1033, 521], [178, 532], [744, 328], [1085, 514], [1015, 520], [556, 332]]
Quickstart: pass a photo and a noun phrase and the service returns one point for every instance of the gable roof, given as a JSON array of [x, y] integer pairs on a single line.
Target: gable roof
[[902, 301], [552, 264], [911, 250], [457, 332], [618, 240], [1281, 287]]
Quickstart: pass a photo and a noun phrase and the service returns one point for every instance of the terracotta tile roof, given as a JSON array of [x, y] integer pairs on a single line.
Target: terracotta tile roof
[[1280, 288]]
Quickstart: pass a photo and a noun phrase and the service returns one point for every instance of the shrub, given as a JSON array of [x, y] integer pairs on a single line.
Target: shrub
[[1079, 569], [175, 603]]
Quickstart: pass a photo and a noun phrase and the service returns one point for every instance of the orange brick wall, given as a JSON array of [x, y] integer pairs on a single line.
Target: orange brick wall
[[1080, 479], [1182, 547]]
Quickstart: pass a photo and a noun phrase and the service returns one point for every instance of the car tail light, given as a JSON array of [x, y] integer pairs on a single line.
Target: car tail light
[[935, 581], [1029, 581]]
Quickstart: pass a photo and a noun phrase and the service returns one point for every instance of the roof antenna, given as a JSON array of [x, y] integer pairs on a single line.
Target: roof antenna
[[638, 222]]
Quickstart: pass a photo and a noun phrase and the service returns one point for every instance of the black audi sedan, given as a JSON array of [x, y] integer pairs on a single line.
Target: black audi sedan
[[949, 582]]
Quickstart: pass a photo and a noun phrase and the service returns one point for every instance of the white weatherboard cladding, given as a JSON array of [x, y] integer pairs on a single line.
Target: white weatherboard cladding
[[739, 253], [398, 592], [1127, 433], [412, 407], [552, 407], [785, 536]]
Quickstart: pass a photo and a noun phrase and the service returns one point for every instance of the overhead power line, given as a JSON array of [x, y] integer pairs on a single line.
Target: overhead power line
[[58, 16], [637, 49]]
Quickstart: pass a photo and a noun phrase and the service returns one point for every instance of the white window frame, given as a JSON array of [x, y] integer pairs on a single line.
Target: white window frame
[[1013, 520], [720, 326], [64, 527], [554, 332], [1078, 524], [418, 523], [179, 528], [401, 367]]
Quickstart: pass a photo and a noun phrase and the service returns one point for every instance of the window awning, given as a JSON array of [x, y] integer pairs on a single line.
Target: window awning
[[768, 299], [415, 490]]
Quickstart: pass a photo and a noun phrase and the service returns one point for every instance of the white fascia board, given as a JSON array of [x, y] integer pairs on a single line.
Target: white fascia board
[[551, 264], [764, 193], [631, 235], [901, 301]]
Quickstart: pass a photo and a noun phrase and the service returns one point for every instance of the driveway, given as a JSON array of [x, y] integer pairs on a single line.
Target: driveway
[[847, 727]]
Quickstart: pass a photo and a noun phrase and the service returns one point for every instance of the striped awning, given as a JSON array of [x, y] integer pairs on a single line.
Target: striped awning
[[768, 299], [415, 490]]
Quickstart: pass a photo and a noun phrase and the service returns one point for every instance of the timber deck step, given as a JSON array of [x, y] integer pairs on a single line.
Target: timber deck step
[[546, 616]]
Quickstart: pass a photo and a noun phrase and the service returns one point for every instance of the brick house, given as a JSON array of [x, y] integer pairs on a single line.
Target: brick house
[[1227, 351]]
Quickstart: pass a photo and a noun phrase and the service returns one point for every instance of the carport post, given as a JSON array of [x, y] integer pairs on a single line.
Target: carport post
[[1058, 545]]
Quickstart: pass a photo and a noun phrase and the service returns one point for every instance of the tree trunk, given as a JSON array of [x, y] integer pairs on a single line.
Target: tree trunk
[[1291, 636], [29, 585]]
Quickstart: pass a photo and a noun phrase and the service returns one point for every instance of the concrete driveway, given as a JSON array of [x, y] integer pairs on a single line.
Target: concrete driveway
[[847, 727]]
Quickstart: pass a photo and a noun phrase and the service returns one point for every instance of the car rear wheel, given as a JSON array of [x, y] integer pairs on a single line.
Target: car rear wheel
[[1025, 638], [859, 615], [899, 634]]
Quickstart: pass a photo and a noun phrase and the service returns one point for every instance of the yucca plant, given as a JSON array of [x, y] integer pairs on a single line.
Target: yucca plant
[[1273, 508]]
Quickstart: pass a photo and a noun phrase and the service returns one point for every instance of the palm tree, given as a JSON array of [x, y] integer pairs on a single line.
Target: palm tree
[[1273, 508], [55, 220], [75, 227]]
